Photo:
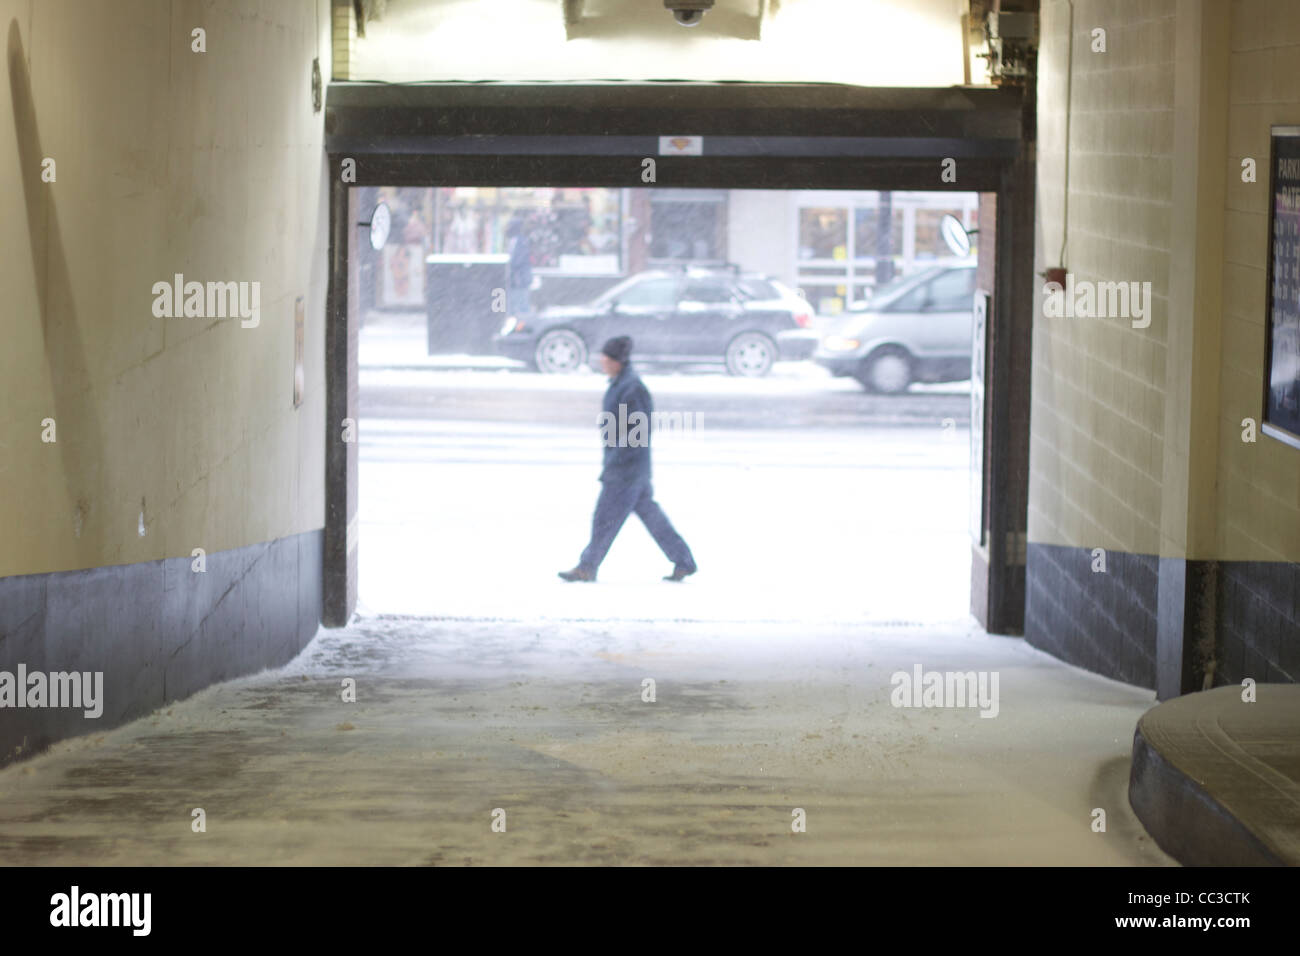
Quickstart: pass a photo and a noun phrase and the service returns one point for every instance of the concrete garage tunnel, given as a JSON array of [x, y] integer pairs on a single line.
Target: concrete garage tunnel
[[191, 512]]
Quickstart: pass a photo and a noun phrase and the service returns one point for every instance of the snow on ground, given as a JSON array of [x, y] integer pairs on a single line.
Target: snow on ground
[[474, 519], [454, 719]]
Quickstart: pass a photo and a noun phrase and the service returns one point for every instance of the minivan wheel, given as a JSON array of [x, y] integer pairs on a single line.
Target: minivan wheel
[[751, 355], [560, 350], [888, 371]]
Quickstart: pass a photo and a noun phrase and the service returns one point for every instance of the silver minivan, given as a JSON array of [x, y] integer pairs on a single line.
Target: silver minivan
[[914, 329]]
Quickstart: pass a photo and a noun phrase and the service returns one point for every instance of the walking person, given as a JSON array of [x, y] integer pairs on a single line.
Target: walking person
[[625, 477], [520, 268]]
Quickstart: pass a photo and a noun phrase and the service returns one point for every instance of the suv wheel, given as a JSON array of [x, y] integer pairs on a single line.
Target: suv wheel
[[751, 354], [560, 350], [888, 371]]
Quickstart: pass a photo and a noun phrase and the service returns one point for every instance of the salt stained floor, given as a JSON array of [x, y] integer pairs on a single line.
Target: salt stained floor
[[551, 723], [483, 682]]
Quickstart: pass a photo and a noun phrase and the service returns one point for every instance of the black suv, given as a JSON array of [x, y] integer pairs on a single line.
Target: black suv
[[691, 316]]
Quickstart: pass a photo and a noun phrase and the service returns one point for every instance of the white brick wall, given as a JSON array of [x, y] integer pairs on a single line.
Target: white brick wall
[[1097, 415]]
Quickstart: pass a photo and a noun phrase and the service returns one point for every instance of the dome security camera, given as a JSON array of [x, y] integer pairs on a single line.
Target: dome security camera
[[688, 13]]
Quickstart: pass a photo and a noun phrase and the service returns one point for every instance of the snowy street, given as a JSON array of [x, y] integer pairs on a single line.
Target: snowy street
[[838, 519]]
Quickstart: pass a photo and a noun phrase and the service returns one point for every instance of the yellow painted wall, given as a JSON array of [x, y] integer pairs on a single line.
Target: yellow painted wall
[[1258, 503], [1109, 405], [207, 164], [1097, 414]]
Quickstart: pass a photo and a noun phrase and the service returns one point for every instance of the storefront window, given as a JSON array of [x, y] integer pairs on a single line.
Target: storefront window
[[568, 230], [687, 231], [865, 244], [823, 233], [833, 280]]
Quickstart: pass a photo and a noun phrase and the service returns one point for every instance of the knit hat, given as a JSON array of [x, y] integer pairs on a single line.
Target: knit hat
[[618, 348]]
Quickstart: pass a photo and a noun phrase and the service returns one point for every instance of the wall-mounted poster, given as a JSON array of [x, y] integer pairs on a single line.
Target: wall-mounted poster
[[1282, 330], [403, 277]]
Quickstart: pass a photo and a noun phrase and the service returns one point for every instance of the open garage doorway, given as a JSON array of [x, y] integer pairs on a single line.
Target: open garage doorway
[[809, 357], [810, 488]]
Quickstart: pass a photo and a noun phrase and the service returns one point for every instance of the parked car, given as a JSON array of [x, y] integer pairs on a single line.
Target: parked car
[[914, 329], [744, 321]]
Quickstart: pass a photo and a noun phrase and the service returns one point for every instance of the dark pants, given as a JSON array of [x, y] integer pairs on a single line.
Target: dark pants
[[519, 301], [618, 500]]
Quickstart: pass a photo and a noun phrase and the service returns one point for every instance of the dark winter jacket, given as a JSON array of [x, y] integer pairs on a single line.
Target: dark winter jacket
[[627, 447], [521, 264]]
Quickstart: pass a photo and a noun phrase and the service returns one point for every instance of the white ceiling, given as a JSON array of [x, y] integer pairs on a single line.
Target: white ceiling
[[864, 42]]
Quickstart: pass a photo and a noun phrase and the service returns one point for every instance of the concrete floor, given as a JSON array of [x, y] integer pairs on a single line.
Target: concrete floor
[[456, 718]]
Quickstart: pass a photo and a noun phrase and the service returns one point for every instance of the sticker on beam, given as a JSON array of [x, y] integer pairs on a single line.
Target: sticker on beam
[[681, 145]]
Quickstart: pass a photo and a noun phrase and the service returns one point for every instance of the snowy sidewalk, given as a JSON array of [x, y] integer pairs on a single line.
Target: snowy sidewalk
[[405, 346], [473, 520], [455, 720]]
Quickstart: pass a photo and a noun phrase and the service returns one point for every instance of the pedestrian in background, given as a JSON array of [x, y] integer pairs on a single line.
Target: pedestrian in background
[[625, 477], [520, 269]]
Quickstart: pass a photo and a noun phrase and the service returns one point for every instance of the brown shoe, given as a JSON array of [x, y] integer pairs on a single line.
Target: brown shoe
[[680, 571], [578, 574]]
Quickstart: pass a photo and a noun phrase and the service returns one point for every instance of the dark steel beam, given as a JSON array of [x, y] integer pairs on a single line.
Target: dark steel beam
[[370, 114]]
